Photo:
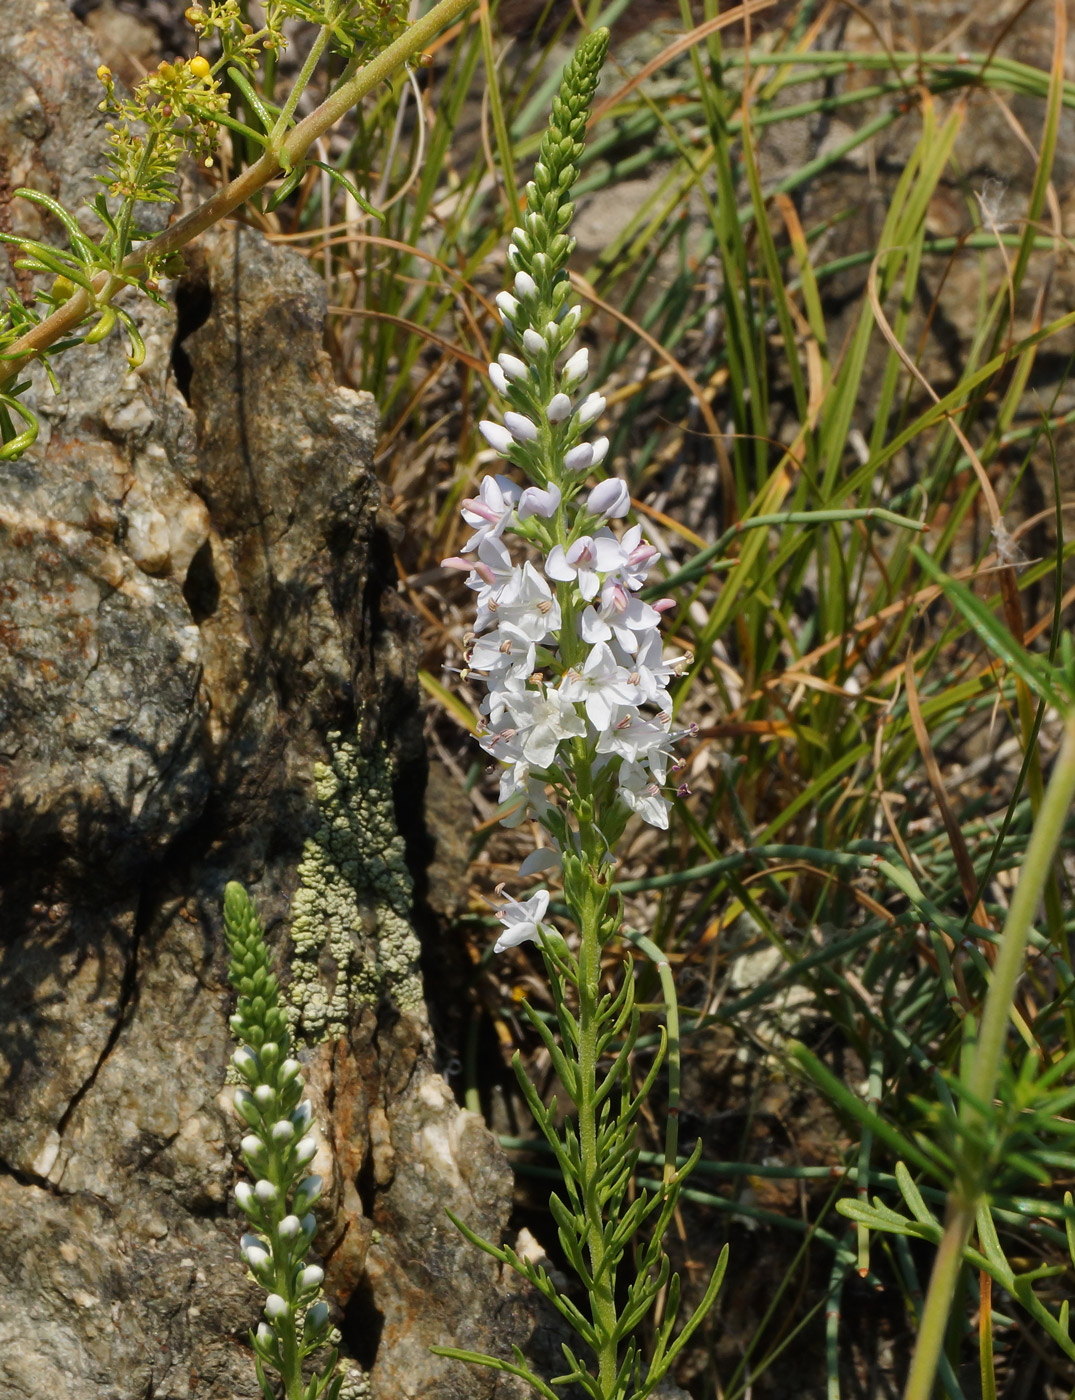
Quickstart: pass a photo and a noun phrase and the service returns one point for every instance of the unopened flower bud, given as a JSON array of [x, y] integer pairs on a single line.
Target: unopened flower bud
[[246, 1064], [270, 1051], [311, 1277], [264, 1095], [525, 286], [509, 307], [306, 1151], [257, 1257], [283, 1130], [577, 367], [559, 408], [289, 1227], [276, 1307], [288, 1070], [512, 366], [265, 1334], [610, 498], [251, 1145], [199, 66], [600, 451], [535, 501], [244, 1196], [302, 1115], [499, 378], [579, 458], [591, 407], [309, 1191], [496, 435], [316, 1317], [520, 427], [533, 342], [265, 1191]]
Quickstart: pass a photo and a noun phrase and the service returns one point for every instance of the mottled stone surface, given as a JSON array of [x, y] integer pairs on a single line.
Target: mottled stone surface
[[195, 589]]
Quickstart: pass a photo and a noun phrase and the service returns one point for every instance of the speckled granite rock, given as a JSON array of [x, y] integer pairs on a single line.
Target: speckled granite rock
[[195, 589]]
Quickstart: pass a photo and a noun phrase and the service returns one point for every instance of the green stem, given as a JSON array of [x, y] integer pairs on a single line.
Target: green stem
[[65, 319], [933, 1326], [602, 1300], [313, 58], [123, 231], [980, 1080]]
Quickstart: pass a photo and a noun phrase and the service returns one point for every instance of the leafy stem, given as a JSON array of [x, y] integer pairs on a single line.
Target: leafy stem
[[63, 321]]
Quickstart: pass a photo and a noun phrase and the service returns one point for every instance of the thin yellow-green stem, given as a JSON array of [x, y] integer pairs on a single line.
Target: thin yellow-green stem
[[285, 156], [980, 1079]]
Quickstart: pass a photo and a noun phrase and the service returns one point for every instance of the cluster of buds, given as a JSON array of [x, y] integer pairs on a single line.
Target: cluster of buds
[[277, 1151]]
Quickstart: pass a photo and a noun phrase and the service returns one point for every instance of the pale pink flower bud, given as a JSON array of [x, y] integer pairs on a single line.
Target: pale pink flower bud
[[610, 498], [535, 501], [663, 605], [579, 458]]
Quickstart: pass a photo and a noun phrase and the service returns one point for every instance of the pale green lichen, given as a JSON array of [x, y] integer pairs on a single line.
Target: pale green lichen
[[351, 929]]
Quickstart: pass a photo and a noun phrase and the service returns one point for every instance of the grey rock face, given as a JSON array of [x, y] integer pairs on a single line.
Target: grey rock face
[[195, 588]]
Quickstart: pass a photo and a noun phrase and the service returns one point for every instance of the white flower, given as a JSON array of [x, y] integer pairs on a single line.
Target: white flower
[[578, 562], [634, 738], [489, 511], [602, 686], [651, 672], [540, 860], [522, 920], [528, 604], [622, 617], [506, 651], [639, 792], [543, 717]]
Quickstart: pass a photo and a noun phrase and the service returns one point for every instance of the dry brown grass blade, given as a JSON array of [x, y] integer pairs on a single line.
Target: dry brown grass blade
[[414, 328], [964, 864]]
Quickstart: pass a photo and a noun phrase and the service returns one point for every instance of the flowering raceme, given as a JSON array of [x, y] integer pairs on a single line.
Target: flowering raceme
[[578, 715], [570, 654]]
